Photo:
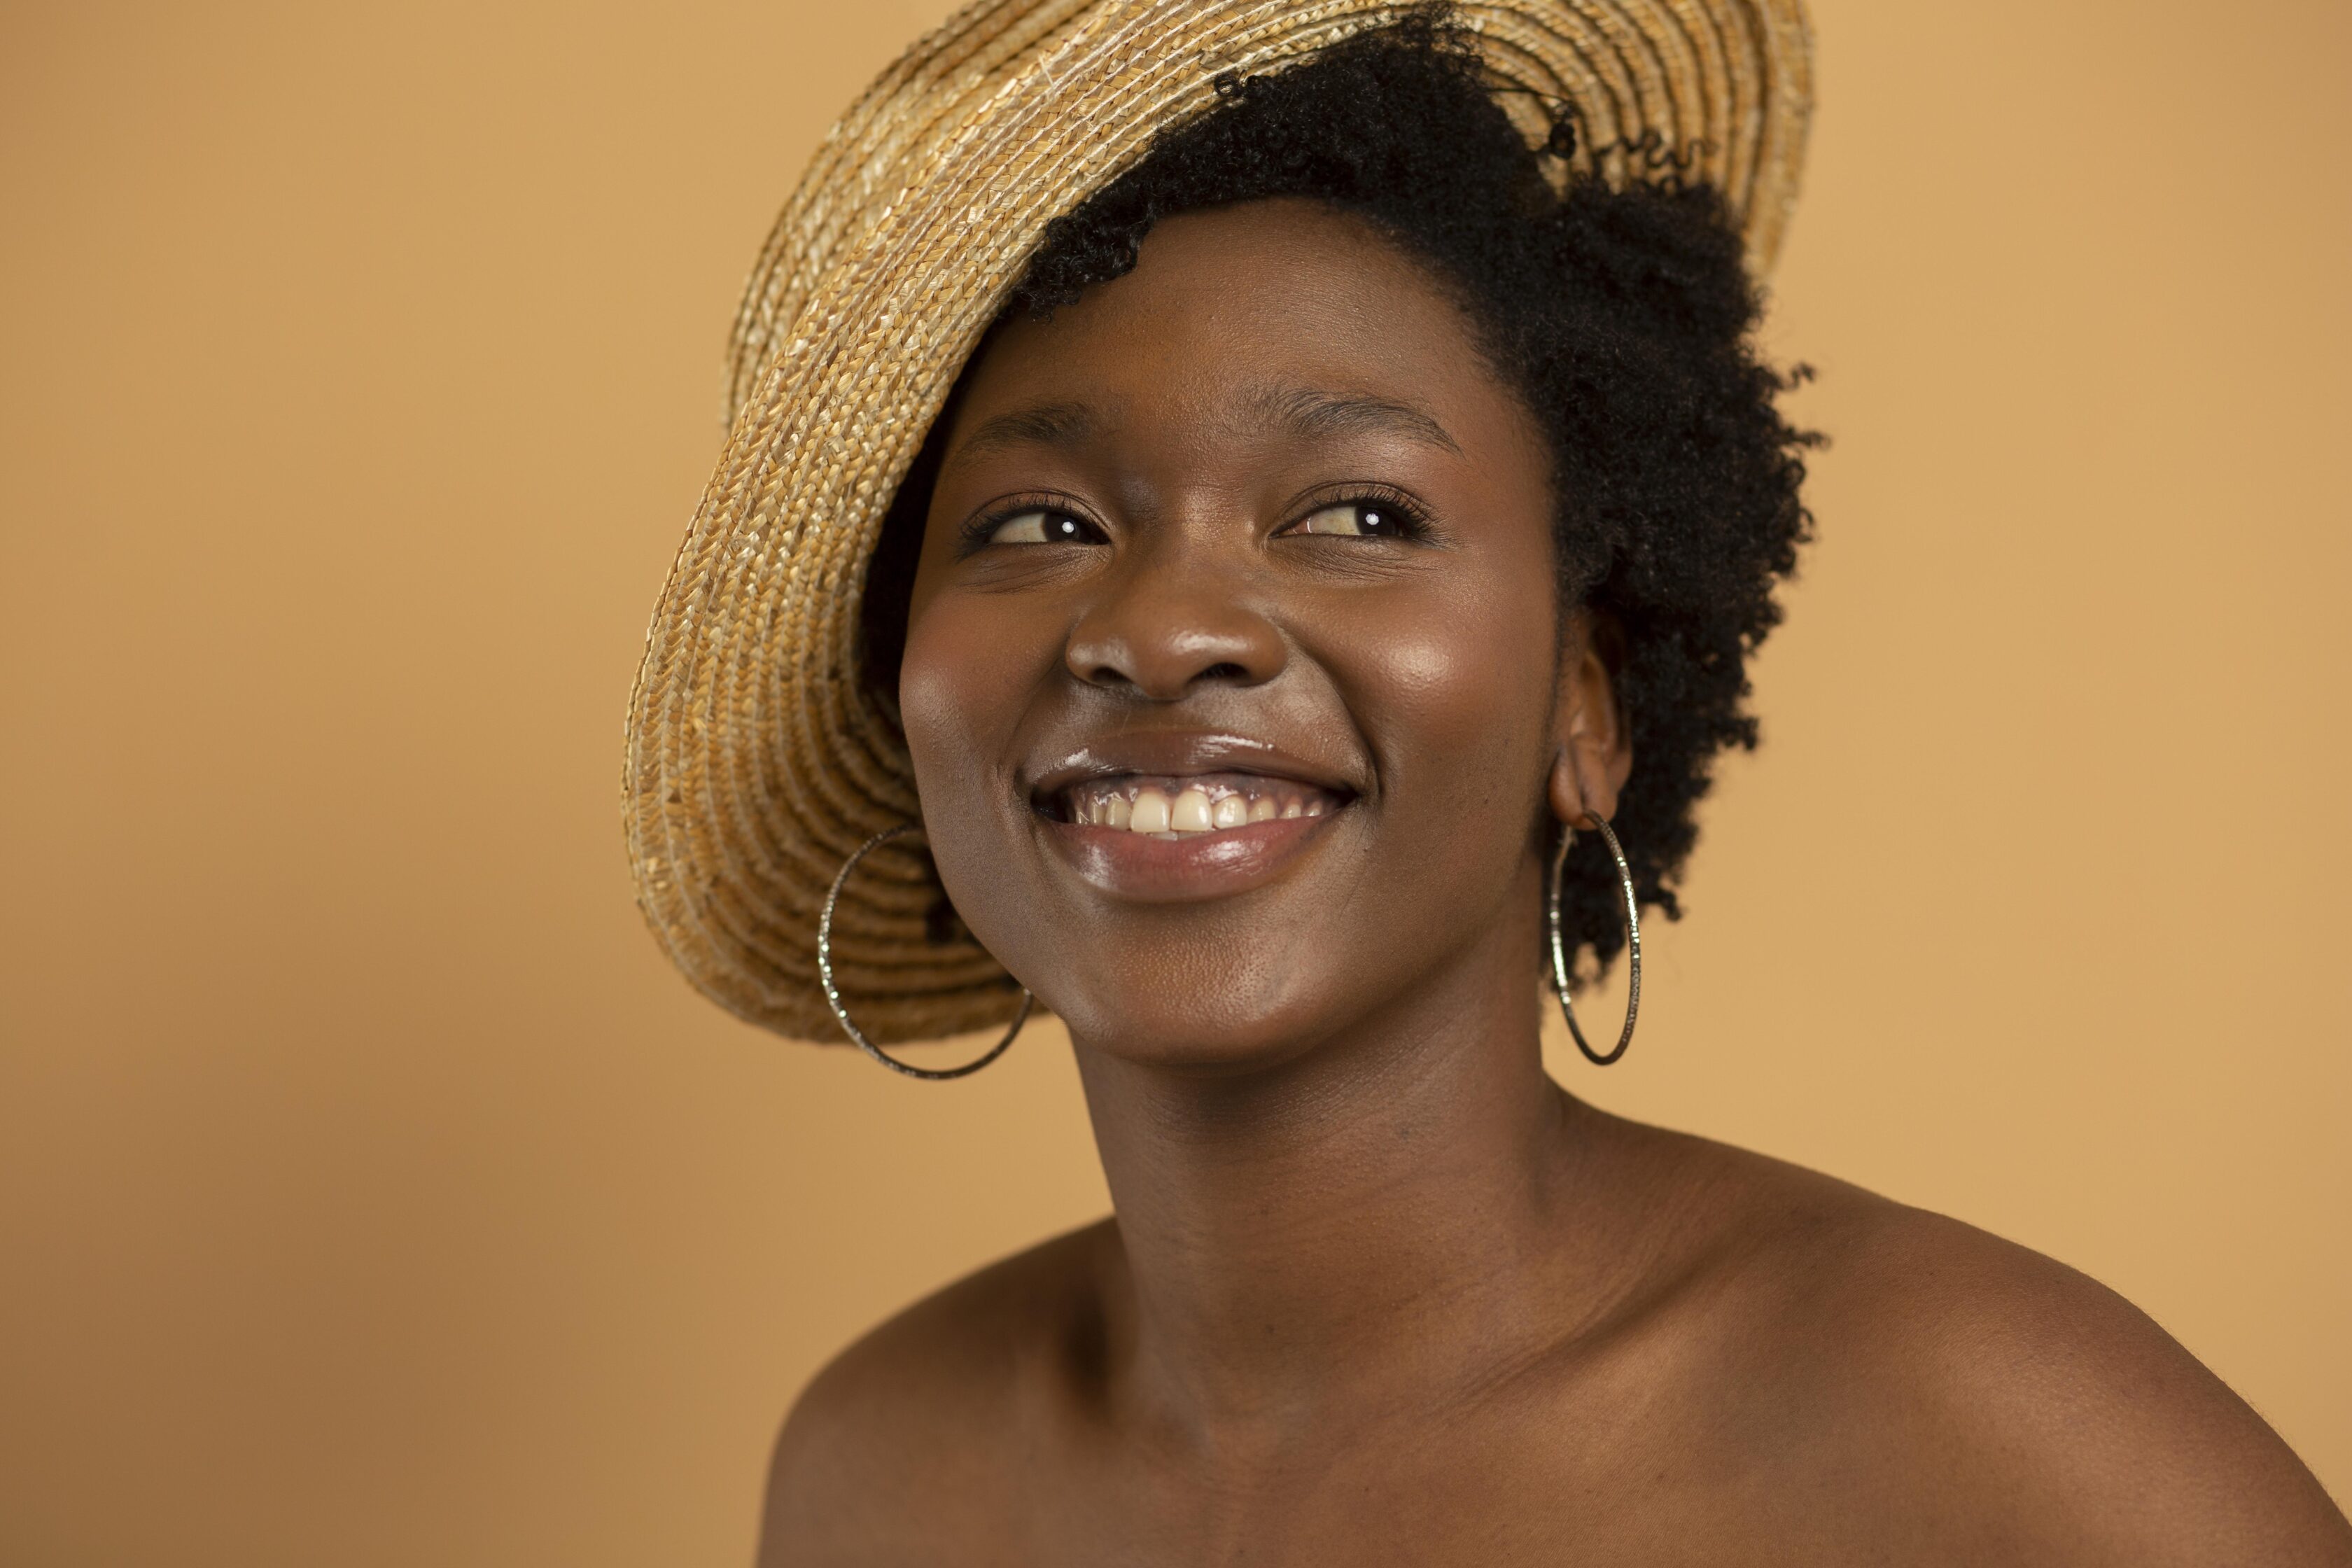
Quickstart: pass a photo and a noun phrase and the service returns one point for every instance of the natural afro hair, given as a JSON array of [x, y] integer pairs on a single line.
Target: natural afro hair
[[1622, 316]]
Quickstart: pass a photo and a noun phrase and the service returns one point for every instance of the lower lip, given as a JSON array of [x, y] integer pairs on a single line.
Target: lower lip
[[1151, 870]]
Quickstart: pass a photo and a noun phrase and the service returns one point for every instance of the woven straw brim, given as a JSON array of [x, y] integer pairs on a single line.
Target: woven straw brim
[[757, 759]]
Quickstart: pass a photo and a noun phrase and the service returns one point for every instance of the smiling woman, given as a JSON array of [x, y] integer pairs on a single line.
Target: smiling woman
[[1354, 492], [1348, 614]]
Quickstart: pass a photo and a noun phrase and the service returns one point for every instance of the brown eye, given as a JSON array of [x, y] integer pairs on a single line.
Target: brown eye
[[1042, 527], [1354, 518]]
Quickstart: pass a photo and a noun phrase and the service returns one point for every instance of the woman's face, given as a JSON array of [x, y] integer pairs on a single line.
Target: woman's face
[[1234, 678]]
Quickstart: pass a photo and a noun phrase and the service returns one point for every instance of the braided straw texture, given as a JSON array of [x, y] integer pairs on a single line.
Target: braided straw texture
[[756, 760]]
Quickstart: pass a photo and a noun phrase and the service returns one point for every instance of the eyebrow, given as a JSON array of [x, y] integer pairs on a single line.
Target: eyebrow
[[1310, 414], [1047, 425], [1303, 412]]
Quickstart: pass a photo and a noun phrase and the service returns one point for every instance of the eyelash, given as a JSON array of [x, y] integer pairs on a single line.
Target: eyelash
[[975, 532], [1412, 520]]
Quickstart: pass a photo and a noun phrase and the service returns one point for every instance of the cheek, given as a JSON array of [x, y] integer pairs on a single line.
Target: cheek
[[943, 692], [964, 683], [1456, 700]]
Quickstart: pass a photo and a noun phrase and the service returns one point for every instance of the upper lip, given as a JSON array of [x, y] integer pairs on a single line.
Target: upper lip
[[1182, 754]]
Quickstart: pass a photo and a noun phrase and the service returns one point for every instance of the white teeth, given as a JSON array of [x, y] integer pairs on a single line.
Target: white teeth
[[1180, 810], [1191, 812]]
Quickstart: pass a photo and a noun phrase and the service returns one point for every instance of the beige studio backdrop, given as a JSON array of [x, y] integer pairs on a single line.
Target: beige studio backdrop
[[371, 1192]]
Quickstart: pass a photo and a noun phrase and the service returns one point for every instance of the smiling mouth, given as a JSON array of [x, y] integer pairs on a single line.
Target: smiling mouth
[[1181, 807]]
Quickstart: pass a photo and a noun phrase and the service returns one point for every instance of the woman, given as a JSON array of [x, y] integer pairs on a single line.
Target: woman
[[1360, 494]]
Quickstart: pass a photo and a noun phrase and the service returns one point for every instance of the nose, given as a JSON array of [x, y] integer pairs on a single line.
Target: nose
[[1166, 626]]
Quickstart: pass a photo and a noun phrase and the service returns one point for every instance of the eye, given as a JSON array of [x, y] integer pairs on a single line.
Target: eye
[[1356, 520], [1041, 527]]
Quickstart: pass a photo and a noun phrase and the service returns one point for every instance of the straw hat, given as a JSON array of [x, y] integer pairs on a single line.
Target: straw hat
[[757, 758]]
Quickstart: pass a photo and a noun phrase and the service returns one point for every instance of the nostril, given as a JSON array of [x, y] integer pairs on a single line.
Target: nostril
[[1108, 674], [1223, 672]]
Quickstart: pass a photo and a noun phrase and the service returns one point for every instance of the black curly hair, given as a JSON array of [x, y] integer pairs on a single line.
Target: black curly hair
[[1621, 316]]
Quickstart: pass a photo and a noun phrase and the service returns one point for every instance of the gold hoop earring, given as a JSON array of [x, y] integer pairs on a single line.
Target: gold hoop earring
[[833, 992], [1633, 943]]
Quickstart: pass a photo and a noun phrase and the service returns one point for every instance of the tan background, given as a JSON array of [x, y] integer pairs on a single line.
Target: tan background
[[370, 1192]]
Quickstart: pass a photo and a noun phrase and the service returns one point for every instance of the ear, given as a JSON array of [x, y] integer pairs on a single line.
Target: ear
[[1595, 754]]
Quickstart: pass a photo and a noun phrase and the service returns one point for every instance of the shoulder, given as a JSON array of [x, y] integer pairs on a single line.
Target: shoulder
[[899, 1447], [1973, 1391]]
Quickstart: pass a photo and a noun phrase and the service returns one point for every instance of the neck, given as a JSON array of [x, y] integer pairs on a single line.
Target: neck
[[1372, 1222]]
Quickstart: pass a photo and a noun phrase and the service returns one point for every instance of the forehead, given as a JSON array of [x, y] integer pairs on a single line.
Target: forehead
[[1233, 315]]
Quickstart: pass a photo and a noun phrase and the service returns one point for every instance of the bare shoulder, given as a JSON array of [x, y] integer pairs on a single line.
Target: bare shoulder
[[1976, 1392], [897, 1450]]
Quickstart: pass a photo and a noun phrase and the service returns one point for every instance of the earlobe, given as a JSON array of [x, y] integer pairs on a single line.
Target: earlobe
[[1575, 800], [1595, 756], [1566, 792]]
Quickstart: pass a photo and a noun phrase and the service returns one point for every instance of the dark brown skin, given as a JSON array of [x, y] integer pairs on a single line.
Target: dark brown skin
[[1377, 1290]]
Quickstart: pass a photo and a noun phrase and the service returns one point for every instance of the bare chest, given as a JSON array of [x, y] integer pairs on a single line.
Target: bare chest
[[1623, 1483]]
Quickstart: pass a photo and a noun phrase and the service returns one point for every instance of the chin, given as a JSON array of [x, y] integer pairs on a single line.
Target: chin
[[1206, 1019]]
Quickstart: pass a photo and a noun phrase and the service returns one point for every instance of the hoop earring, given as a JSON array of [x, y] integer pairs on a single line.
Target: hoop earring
[[833, 992], [1633, 943]]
